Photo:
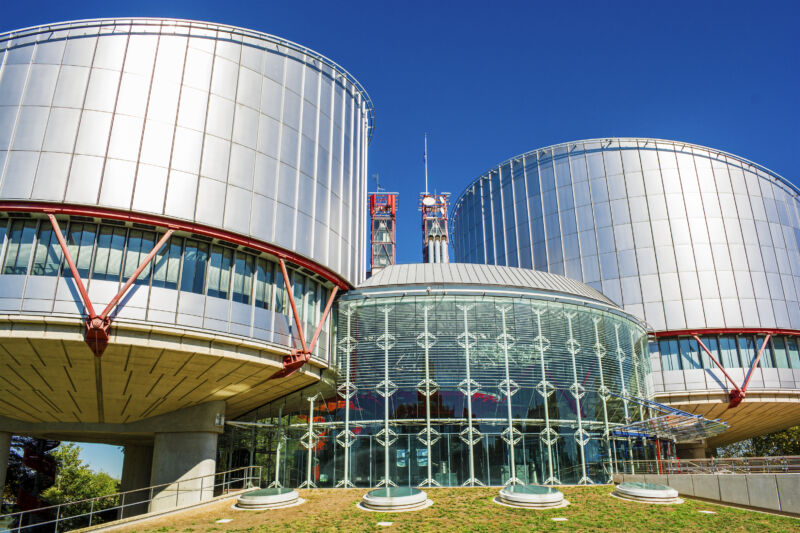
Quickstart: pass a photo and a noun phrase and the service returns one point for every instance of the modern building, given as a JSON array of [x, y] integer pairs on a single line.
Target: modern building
[[183, 239], [458, 374], [702, 245], [211, 166]]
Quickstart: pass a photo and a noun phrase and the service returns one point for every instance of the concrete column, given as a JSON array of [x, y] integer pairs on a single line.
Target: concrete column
[[178, 456], [5, 445], [136, 469], [692, 450]]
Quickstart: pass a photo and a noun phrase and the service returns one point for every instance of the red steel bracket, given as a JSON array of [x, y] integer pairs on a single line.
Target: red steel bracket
[[737, 394], [297, 358], [99, 325]]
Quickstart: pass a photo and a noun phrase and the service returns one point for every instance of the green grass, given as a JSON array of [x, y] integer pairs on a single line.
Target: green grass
[[591, 509]]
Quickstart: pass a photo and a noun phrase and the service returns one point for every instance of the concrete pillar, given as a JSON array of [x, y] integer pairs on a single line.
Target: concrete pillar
[[136, 469], [178, 456], [5, 445], [692, 450]]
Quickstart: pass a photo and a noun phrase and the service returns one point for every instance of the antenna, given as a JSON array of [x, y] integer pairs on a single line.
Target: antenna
[[425, 159], [378, 187]]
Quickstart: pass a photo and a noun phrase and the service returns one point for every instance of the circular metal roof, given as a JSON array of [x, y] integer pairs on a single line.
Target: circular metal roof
[[474, 276]]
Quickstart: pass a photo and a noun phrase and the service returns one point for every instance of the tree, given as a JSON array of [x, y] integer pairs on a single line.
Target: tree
[[30, 471], [786, 442], [75, 481]]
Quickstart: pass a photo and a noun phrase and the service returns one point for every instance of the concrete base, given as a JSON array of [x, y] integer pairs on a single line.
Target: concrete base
[[136, 470], [5, 444], [182, 456], [268, 499], [531, 497], [395, 499], [647, 492]]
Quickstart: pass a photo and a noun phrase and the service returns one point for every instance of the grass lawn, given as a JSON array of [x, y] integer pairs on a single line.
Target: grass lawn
[[457, 509]]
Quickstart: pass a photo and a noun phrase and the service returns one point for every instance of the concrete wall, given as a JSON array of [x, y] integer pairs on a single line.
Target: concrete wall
[[770, 492], [183, 456], [136, 471]]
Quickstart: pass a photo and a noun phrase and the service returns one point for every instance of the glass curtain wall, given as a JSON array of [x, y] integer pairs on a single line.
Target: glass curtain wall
[[462, 390]]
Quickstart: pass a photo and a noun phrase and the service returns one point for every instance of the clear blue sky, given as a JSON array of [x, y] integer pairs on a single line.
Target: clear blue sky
[[489, 80]]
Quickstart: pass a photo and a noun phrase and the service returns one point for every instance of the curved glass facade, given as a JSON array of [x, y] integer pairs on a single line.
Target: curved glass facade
[[202, 122], [193, 281], [477, 388], [680, 235]]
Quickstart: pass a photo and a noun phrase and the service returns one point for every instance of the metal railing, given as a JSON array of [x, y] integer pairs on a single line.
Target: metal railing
[[102, 509], [786, 464]]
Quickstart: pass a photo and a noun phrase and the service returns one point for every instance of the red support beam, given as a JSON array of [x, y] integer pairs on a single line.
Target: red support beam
[[322, 320], [136, 274], [72, 268], [755, 363], [714, 359], [725, 331], [297, 322], [98, 326]]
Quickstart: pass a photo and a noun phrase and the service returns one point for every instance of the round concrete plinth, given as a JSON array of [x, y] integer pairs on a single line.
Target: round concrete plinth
[[647, 492], [395, 499], [531, 497], [268, 499]]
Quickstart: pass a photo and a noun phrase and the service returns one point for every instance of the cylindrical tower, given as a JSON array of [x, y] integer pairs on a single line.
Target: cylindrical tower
[[223, 172], [701, 244]]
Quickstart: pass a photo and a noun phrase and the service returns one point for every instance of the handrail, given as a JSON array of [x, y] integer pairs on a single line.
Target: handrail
[[250, 476], [786, 464]]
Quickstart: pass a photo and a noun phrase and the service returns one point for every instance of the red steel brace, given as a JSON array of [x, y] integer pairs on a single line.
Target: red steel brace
[[98, 326], [737, 394], [297, 358]]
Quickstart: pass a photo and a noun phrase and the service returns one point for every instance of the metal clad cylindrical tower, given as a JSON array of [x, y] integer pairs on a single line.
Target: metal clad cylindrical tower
[[695, 241], [199, 122], [211, 166]]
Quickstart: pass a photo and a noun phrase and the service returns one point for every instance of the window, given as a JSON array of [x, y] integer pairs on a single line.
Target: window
[[747, 351], [140, 243], [243, 277], [264, 277], [767, 357], [18, 250], [80, 242], [730, 355], [712, 343], [195, 257], [780, 353], [689, 356], [167, 264], [47, 257], [794, 353], [669, 355], [219, 272], [108, 257]]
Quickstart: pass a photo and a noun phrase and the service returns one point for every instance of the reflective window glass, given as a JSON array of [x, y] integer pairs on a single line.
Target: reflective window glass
[[780, 353], [47, 257], [219, 272], [167, 264], [669, 355], [767, 357], [712, 343], [689, 354], [140, 243], [195, 257], [108, 257], [746, 350], [243, 277], [264, 277], [794, 353], [18, 249], [729, 354]]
